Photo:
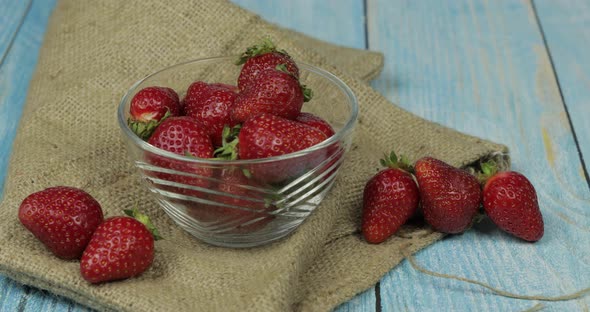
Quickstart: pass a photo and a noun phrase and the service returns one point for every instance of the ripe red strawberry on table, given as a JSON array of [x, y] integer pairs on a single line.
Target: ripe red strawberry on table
[[62, 218], [149, 106], [260, 57], [275, 91], [210, 104], [510, 201], [450, 196], [183, 136], [121, 247], [390, 198]]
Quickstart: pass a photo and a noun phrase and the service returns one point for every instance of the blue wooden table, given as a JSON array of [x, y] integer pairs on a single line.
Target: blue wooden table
[[515, 72]]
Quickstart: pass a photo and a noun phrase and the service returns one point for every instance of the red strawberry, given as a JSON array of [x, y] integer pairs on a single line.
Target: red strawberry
[[226, 86], [149, 106], [183, 136], [259, 58], [239, 209], [390, 198], [510, 200], [63, 218], [121, 247], [450, 196], [210, 104], [268, 135], [275, 92], [315, 122], [334, 150]]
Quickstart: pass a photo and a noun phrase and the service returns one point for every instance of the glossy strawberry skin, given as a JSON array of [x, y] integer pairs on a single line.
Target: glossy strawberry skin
[[334, 150], [121, 247], [273, 92], [152, 103], [390, 198], [210, 104], [510, 200], [267, 135], [255, 65], [450, 197], [62, 218], [226, 86], [314, 121], [182, 136]]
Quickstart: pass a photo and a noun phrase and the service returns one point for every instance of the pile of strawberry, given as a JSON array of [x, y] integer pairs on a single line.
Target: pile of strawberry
[[70, 223], [260, 117], [450, 199]]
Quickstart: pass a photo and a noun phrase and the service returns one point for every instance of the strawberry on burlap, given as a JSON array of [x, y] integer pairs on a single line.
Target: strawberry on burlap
[[93, 52]]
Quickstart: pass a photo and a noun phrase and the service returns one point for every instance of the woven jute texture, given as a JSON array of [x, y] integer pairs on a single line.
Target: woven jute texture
[[93, 52]]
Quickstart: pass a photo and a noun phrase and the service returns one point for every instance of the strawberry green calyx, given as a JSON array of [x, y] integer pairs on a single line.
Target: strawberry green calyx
[[265, 46], [189, 154], [488, 170], [145, 129], [229, 147], [142, 129], [283, 68], [307, 92], [145, 220], [395, 162]]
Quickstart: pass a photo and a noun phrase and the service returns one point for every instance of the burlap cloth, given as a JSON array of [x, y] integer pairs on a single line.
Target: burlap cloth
[[94, 51]]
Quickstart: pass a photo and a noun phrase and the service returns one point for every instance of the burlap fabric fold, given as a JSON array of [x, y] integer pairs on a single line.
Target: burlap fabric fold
[[95, 50]]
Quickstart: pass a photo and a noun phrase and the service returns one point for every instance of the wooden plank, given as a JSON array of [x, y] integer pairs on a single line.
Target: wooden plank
[[10, 22], [481, 67], [336, 21], [566, 26], [341, 22], [17, 297], [15, 75], [17, 69]]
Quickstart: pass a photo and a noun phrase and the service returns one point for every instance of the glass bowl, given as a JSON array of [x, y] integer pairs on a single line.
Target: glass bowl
[[243, 203]]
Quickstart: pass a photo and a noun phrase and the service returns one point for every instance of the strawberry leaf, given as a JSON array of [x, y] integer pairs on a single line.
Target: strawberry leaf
[[307, 93], [229, 147], [145, 129], [283, 68], [145, 220], [488, 169], [265, 46], [393, 161]]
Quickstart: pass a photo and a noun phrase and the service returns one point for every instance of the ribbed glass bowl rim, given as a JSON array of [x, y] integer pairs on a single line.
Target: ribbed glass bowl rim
[[205, 161]]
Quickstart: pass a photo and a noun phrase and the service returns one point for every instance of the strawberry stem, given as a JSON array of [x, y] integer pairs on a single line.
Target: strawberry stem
[[229, 144], [145, 220], [395, 162], [265, 46]]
